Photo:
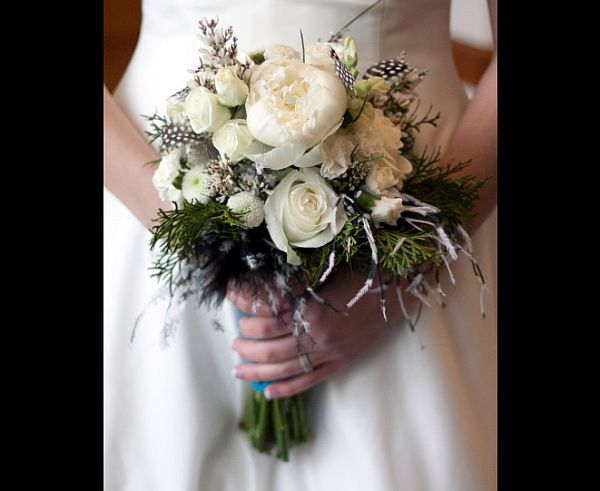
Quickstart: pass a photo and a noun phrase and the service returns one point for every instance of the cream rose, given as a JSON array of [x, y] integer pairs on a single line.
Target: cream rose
[[294, 104], [302, 212], [234, 141], [231, 91], [204, 111], [336, 151]]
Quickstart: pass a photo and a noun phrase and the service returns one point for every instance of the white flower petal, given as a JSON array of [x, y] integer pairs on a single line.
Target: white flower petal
[[278, 158]]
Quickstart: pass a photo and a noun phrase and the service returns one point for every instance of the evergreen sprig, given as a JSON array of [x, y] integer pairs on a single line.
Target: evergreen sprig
[[435, 184], [415, 249], [177, 233], [158, 124]]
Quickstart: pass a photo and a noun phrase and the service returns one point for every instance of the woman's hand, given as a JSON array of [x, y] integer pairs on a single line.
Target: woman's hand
[[336, 339]]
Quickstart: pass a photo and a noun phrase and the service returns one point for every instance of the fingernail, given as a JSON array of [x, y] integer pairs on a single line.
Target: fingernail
[[270, 393], [233, 343], [237, 373]]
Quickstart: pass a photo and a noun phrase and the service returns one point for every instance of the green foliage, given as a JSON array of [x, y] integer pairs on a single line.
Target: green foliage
[[177, 231], [435, 184], [352, 248], [415, 249], [315, 261], [178, 181], [157, 126]]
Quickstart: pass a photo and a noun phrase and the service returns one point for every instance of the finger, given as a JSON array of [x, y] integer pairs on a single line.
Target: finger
[[254, 304], [268, 351], [302, 382], [265, 327], [248, 304], [257, 372]]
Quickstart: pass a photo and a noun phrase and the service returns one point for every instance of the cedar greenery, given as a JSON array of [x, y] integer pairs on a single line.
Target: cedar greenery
[[179, 230]]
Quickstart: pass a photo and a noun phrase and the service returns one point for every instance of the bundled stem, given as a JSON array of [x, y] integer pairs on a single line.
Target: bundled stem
[[279, 423]]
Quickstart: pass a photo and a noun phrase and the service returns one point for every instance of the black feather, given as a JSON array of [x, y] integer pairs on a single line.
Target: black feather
[[386, 69]]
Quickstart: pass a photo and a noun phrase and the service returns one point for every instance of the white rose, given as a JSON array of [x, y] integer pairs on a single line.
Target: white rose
[[280, 52], [294, 104], [231, 91], [234, 140], [302, 212], [319, 55], [250, 206], [387, 210], [165, 174], [336, 151], [197, 185], [204, 111]]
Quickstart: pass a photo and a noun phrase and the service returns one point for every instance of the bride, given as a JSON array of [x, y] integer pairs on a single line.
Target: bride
[[390, 409]]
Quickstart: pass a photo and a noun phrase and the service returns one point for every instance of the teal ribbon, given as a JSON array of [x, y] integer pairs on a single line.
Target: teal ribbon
[[259, 386]]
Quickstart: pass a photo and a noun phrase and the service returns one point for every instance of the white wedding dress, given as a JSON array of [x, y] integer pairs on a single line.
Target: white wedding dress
[[400, 417]]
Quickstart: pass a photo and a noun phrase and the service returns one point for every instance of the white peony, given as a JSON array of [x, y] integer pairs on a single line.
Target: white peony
[[231, 91], [336, 151], [204, 111], [319, 55], [302, 212], [197, 185], [387, 210], [165, 174], [294, 104], [281, 52], [234, 141], [250, 206]]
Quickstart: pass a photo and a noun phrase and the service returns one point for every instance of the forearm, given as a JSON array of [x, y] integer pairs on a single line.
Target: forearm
[[125, 153], [475, 138]]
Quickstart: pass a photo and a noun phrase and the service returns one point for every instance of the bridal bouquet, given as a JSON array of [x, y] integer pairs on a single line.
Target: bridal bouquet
[[284, 165]]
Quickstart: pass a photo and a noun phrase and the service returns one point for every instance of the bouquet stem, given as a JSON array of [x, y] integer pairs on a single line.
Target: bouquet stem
[[279, 422]]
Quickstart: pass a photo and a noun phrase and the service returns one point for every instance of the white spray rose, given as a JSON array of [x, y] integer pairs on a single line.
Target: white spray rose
[[336, 151], [197, 185], [319, 55], [234, 140], [165, 174], [387, 210], [231, 91], [302, 212], [292, 103], [281, 52], [381, 179], [176, 112], [204, 111], [250, 206]]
